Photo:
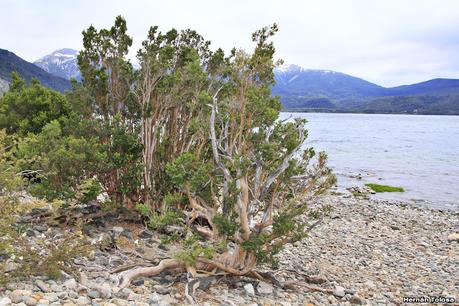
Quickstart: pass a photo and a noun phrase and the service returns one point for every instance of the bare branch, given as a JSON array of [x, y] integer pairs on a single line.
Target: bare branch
[[166, 264], [283, 165], [213, 137]]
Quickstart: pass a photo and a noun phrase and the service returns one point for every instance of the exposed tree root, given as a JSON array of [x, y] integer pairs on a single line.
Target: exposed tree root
[[265, 277], [216, 271], [309, 279], [269, 277], [129, 266], [293, 284], [225, 268], [166, 264]]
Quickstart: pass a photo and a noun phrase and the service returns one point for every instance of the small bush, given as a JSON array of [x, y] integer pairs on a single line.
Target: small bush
[[224, 226], [89, 189], [170, 217], [14, 244], [143, 209], [193, 248], [61, 256]]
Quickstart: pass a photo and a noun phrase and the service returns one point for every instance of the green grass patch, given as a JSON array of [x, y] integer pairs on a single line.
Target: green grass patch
[[384, 188]]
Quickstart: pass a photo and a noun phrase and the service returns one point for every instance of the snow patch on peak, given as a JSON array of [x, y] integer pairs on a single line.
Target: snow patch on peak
[[289, 68], [63, 55], [328, 71], [62, 63], [66, 52]]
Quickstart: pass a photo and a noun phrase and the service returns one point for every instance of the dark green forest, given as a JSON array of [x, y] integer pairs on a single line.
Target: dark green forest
[[411, 104]]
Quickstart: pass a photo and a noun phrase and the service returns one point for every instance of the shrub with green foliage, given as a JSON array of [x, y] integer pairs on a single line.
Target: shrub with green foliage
[[192, 139], [14, 244], [168, 217], [62, 163], [89, 190], [10, 180], [27, 109]]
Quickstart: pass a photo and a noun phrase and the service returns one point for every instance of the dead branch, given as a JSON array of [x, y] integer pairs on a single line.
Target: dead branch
[[213, 137], [283, 165], [225, 268], [130, 266], [166, 264]]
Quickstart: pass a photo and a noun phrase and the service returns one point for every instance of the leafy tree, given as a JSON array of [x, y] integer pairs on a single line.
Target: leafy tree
[[9, 178], [104, 101], [172, 94], [243, 171], [59, 163], [27, 109], [192, 139]]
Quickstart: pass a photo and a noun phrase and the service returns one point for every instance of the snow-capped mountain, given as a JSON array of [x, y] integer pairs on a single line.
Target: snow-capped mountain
[[62, 63], [294, 69], [295, 80], [326, 90], [10, 62]]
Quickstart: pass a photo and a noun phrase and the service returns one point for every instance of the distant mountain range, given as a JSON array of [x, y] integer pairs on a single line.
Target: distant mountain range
[[62, 63], [330, 91], [299, 89], [10, 62]]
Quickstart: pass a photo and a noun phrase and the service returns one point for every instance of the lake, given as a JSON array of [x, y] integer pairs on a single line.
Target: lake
[[418, 153]]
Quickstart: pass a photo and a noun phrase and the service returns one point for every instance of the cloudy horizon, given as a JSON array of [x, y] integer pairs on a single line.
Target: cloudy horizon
[[389, 43]]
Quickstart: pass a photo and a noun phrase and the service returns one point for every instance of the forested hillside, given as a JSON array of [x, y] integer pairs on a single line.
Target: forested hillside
[[329, 91]]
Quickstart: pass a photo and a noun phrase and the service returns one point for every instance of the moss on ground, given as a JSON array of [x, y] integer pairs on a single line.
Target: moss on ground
[[384, 188]]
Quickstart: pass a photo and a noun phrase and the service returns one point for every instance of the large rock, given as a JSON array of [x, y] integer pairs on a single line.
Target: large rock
[[83, 301], [117, 229], [265, 288], [454, 237], [30, 301], [10, 266], [249, 289], [123, 293], [94, 294], [154, 298], [339, 291], [357, 300], [52, 297], [17, 296], [105, 290], [70, 284], [162, 289], [5, 301], [42, 286]]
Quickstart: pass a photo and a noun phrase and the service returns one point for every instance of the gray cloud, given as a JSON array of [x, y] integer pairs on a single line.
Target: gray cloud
[[389, 42]]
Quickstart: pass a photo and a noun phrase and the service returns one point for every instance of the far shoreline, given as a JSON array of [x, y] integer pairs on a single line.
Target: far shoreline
[[305, 111]]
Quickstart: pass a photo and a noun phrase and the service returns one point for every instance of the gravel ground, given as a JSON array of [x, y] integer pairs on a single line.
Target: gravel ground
[[382, 250], [366, 252]]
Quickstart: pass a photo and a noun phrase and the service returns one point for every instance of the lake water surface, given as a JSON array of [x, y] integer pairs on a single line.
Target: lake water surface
[[418, 153]]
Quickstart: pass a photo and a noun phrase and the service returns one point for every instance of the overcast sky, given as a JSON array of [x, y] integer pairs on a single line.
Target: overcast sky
[[388, 42]]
